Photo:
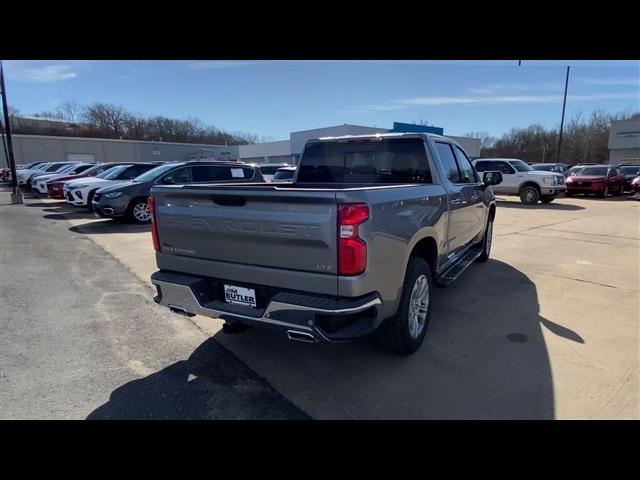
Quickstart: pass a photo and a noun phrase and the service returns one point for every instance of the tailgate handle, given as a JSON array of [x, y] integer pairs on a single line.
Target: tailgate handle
[[229, 200]]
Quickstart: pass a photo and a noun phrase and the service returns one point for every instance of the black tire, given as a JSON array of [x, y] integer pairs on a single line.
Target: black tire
[[393, 335], [89, 200], [568, 194], [529, 195], [132, 215], [487, 240], [547, 198]]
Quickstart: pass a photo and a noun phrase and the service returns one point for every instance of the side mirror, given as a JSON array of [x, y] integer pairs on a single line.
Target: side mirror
[[491, 178]]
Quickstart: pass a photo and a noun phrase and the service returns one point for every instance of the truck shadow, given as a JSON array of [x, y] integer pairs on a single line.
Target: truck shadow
[[109, 226], [484, 357], [538, 206], [210, 385]]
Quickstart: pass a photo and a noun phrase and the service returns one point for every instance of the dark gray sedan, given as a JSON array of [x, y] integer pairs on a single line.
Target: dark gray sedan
[[129, 199]]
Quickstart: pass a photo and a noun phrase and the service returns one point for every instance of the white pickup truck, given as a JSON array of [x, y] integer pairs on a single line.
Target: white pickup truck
[[520, 179]]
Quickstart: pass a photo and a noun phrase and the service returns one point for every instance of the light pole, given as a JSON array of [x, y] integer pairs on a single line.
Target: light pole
[[16, 195], [564, 104]]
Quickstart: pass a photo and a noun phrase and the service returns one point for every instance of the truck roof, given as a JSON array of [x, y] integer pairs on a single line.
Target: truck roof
[[384, 135]]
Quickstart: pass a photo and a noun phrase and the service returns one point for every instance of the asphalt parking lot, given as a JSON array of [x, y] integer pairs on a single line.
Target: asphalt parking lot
[[548, 328]]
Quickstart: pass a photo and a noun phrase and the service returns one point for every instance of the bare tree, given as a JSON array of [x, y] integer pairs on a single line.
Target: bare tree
[[71, 111], [106, 118]]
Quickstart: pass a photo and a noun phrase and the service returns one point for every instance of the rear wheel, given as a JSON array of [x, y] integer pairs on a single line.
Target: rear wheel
[[529, 195], [404, 332], [486, 242], [139, 211], [547, 198]]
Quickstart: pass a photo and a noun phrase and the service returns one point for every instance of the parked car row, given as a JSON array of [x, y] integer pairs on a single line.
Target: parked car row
[[521, 179], [121, 189], [546, 181]]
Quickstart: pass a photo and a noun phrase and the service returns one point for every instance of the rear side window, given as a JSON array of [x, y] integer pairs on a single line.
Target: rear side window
[[448, 162], [399, 160], [484, 166], [269, 169], [216, 173]]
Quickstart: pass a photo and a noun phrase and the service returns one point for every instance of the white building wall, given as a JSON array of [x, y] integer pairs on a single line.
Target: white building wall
[[470, 145], [624, 140], [298, 139], [266, 152], [44, 148]]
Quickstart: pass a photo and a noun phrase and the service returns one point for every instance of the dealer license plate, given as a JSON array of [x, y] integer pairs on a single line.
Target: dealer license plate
[[240, 295]]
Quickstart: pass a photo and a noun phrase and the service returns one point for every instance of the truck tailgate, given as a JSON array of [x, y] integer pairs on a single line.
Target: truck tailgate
[[254, 225]]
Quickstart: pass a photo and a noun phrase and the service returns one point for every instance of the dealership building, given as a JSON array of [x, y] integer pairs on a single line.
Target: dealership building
[[44, 148], [624, 141]]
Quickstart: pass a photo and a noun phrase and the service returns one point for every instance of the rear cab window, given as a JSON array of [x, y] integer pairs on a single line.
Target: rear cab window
[[366, 161]]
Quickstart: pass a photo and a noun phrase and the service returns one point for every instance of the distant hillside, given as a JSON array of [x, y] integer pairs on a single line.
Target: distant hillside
[[102, 120]]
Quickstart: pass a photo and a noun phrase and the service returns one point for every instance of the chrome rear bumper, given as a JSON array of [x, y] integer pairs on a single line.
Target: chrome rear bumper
[[286, 312]]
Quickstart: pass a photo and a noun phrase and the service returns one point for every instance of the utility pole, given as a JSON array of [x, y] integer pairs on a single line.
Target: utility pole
[[564, 104], [16, 195]]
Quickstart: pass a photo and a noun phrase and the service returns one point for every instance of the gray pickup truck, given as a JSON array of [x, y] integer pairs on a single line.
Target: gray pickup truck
[[355, 244]]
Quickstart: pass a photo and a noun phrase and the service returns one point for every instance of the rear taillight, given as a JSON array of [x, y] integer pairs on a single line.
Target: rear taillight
[[352, 250], [154, 224]]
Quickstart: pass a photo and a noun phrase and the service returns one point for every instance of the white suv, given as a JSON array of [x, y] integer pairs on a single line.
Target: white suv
[[520, 179]]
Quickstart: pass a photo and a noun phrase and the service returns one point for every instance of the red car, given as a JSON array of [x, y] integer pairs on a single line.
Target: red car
[[54, 188], [596, 179]]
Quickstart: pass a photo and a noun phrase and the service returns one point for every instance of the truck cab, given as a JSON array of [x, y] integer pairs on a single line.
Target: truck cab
[[356, 244]]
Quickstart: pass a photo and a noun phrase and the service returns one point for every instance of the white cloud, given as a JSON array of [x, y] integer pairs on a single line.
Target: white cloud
[[611, 81], [41, 74], [479, 100], [500, 87], [217, 64]]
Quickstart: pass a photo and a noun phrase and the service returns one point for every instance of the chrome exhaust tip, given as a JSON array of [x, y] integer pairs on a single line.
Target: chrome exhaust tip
[[181, 311], [300, 336]]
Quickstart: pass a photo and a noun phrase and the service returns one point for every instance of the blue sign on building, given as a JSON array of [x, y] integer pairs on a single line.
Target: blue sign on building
[[413, 128]]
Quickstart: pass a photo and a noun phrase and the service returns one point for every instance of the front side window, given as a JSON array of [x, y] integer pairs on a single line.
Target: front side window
[[630, 171], [520, 166], [505, 168], [113, 173], [178, 176], [448, 162], [543, 168], [467, 172]]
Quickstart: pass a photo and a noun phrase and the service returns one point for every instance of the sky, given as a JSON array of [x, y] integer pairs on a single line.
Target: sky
[[273, 98]]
